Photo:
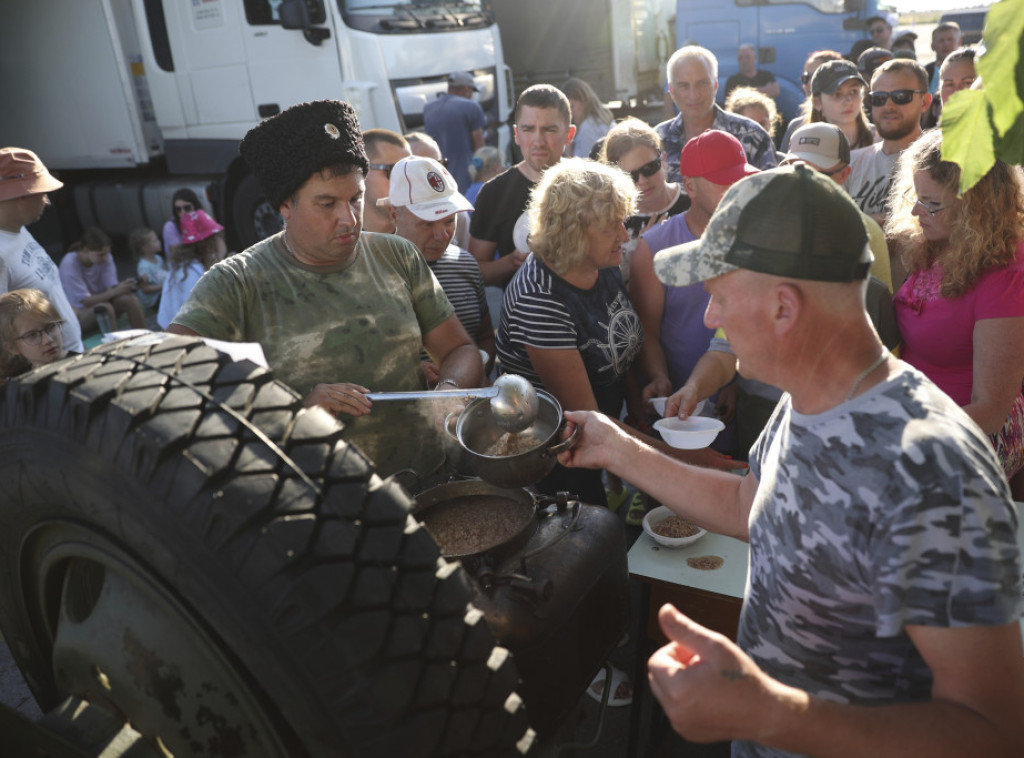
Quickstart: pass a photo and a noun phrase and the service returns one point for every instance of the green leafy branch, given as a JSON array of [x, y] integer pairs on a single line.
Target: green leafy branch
[[979, 126]]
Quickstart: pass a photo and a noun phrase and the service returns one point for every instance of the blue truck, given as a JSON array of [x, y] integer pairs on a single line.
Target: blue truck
[[785, 32]]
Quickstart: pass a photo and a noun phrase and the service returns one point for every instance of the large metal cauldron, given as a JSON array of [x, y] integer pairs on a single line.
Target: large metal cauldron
[[555, 592], [476, 432]]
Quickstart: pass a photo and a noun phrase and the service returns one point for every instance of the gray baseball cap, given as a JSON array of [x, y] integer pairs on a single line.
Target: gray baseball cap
[[791, 222], [821, 144], [463, 79]]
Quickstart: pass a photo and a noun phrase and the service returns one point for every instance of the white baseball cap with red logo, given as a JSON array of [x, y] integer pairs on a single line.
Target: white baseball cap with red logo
[[426, 188]]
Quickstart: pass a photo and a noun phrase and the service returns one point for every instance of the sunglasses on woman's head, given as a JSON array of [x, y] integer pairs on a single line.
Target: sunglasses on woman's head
[[648, 169], [898, 96]]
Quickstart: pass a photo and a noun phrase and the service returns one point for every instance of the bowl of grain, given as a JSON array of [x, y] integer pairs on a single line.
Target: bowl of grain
[[670, 530], [689, 433]]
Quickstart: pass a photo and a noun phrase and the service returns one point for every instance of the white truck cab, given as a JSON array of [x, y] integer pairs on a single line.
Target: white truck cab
[[140, 97]]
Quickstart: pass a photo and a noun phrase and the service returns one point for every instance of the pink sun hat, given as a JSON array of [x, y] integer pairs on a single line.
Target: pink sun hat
[[197, 226]]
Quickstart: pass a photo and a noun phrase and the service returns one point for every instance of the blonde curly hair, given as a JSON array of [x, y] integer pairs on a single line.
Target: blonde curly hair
[[572, 196], [987, 221]]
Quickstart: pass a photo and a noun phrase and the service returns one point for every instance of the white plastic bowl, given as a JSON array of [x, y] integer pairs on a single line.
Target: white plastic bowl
[[655, 516], [690, 433]]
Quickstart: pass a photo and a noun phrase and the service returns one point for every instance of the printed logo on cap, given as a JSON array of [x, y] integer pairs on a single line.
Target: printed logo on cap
[[809, 141], [436, 181]]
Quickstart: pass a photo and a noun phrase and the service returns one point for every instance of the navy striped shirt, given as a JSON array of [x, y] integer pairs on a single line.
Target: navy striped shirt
[[542, 310]]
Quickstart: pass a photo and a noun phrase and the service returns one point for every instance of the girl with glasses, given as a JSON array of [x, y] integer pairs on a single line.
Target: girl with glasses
[[30, 332], [961, 309], [184, 201]]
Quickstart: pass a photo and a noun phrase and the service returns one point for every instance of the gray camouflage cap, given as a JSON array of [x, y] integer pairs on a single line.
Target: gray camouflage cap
[[790, 221]]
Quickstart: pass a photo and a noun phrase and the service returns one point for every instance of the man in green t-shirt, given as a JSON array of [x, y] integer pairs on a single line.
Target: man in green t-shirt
[[338, 313]]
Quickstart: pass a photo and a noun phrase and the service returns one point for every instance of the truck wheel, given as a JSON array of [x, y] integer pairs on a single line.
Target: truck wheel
[[254, 217], [182, 542]]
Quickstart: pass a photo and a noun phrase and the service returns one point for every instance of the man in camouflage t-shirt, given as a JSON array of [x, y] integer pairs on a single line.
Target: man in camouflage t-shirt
[[884, 590], [338, 313]]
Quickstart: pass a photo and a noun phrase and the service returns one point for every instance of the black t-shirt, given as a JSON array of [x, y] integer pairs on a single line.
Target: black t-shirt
[[759, 79], [498, 206]]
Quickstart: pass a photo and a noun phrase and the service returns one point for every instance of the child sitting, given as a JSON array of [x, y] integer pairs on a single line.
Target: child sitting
[[89, 278]]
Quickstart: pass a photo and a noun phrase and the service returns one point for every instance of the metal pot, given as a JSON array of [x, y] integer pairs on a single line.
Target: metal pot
[[472, 493], [476, 432]]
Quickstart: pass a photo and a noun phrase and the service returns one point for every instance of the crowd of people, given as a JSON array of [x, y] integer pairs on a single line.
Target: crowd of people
[[857, 322]]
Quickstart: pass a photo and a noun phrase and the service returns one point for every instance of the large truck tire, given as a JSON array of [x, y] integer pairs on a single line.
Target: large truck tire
[[254, 218], [183, 543]]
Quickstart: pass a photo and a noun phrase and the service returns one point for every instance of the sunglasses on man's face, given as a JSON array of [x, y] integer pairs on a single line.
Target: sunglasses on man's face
[[648, 169], [898, 96], [385, 167], [183, 207]]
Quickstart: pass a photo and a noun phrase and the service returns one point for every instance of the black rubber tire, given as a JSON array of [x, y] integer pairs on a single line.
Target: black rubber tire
[[253, 217], [275, 535]]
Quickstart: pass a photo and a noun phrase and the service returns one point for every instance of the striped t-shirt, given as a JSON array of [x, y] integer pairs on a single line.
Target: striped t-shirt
[[460, 278]]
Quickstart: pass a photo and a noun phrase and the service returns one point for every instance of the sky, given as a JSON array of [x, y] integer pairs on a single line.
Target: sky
[[904, 6]]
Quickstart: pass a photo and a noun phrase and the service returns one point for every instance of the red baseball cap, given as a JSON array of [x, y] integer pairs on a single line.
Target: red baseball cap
[[716, 156]]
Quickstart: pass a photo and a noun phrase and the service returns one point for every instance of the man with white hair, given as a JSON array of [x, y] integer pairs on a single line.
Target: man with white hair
[[692, 84]]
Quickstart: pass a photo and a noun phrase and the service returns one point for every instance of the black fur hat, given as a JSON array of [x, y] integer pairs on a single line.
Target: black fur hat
[[285, 150]]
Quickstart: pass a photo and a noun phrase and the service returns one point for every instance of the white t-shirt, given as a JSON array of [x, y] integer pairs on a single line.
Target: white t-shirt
[[177, 287], [870, 178], [25, 264]]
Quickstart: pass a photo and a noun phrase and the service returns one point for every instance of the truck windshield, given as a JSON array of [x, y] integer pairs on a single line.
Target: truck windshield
[[414, 16], [822, 6], [376, 5]]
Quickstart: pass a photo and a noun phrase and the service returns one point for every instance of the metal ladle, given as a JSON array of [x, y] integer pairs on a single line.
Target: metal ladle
[[513, 400]]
